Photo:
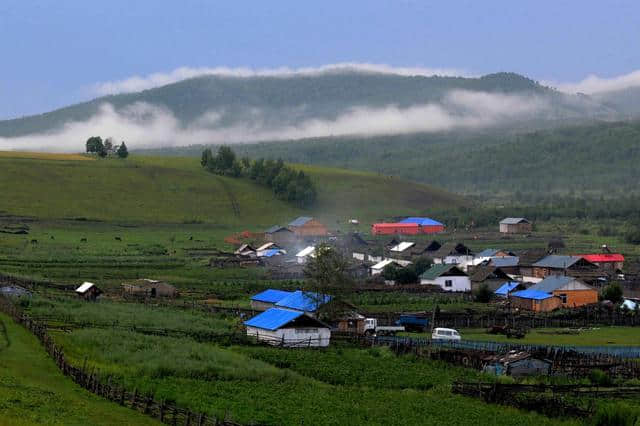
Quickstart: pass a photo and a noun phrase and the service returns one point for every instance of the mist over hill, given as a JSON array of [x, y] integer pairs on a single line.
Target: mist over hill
[[227, 109]]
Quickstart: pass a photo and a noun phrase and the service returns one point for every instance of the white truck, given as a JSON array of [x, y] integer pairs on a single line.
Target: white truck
[[371, 327]]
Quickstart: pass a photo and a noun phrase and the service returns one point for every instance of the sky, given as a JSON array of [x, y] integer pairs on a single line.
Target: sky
[[59, 52]]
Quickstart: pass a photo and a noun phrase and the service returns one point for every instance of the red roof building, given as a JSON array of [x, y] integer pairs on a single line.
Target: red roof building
[[609, 261]]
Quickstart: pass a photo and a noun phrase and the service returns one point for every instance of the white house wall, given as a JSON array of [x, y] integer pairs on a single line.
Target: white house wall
[[458, 283], [303, 336]]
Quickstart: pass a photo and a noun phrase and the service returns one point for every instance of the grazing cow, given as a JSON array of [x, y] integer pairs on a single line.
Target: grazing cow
[[83, 240], [118, 239], [191, 238], [34, 241], [52, 237]]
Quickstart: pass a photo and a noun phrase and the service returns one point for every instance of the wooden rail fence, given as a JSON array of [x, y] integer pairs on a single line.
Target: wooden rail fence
[[164, 411]]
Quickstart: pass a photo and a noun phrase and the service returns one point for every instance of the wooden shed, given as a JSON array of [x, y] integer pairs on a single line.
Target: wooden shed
[[280, 235], [149, 288], [515, 225], [88, 291]]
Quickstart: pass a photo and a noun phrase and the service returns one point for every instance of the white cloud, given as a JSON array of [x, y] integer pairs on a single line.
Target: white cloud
[[593, 84], [144, 126], [138, 83]]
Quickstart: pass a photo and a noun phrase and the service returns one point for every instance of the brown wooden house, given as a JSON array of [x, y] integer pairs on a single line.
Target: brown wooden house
[[305, 226], [561, 265], [88, 291], [515, 225]]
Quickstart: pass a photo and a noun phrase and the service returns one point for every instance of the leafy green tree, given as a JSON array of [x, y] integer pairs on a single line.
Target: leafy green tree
[[390, 272], [612, 292], [207, 157], [123, 152], [483, 294], [327, 272], [94, 145], [406, 275], [421, 264]]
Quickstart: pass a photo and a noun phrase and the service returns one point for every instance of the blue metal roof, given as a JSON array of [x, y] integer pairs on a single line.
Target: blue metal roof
[[487, 252], [507, 288], [270, 252], [557, 261], [271, 296], [424, 221], [273, 319], [274, 229], [532, 294], [304, 301], [503, 262], [300, 221], [552, 283]]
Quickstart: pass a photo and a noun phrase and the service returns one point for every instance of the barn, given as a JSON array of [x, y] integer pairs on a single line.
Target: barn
[[305, 226], [515, 225], [448, 277], [283, 327]]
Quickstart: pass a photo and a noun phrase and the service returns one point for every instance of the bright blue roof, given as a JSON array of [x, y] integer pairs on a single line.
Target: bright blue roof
[[303, 301], [271, 296], [270, 252], [300, 221], [506, 288], [532, 294], [424, 221], [273, 319]]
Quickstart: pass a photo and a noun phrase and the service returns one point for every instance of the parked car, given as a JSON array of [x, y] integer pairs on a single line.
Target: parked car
[[445, 334]]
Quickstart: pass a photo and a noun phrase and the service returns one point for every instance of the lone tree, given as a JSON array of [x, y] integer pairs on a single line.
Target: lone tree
[[123, 152], [94, 145], [327, 273]]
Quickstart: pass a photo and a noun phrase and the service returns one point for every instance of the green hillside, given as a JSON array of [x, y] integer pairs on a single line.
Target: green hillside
[[594, 159], [178, 190], [291, 99]]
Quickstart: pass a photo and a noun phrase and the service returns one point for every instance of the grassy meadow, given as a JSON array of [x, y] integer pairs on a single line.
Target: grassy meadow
[[593, 336], [33, 391]]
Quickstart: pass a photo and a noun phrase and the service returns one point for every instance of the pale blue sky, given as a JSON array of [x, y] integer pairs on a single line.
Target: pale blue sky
[[54, 51]]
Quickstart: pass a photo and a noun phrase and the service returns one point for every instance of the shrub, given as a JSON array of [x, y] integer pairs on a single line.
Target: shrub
[[617, 414], [612, 292], [600, 378], [483, 294]]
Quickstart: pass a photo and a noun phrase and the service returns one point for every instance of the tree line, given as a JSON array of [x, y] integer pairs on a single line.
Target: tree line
[[95, 145], [287, 184]]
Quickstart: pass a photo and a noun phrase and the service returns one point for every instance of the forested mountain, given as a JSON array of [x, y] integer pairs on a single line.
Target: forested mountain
[[287, 100], [596, 159]]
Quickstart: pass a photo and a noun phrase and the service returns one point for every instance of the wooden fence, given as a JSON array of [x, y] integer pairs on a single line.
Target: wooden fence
[[91, 380], [551, 400]]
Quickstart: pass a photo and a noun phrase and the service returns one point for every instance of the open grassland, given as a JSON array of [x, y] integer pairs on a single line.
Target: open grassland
[[178, 190], [44, 156], [33, 391], [271, 386], [596, 336]]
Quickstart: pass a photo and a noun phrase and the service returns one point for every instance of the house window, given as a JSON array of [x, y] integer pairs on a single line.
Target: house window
[[306, 330], [563, 297], [448, 283]]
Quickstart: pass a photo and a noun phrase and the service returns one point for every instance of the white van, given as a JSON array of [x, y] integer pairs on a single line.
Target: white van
[[445, 334]]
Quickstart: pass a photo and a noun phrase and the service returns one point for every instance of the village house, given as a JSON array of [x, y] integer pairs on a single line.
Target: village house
[[492, 253], [378, 268], [149, 288], [307, 227], [408, 226], [280, 235], [517, 364], [448, 277], [553, 292], [88, 291], [289, 328], [491, 276], [425, 249], [515, 225], [453, 253], [427, 225], [303, 255], [561, 265], [245, 250], [526, 259], [268, 299], [610, 262]]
